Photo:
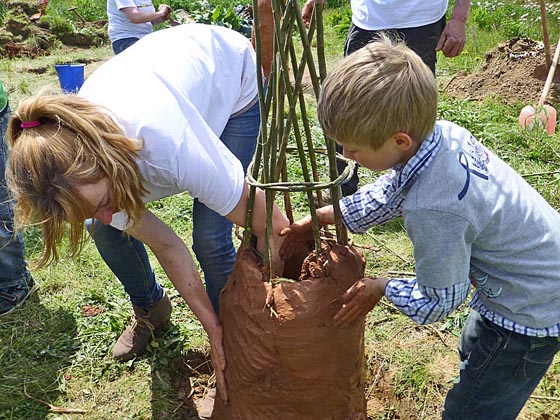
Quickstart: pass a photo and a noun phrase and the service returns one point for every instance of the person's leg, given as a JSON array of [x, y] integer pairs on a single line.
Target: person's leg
[[499, 371], [212, 236], [16, 283], [128, 260], [122, 44]]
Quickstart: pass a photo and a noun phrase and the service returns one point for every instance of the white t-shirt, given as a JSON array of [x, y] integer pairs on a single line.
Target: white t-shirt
[[176, 89], [374, 15], [119, 25]]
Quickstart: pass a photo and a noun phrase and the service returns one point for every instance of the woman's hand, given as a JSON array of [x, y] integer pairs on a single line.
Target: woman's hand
[[359, 299], [307, 10], [297, 236], [165, 11], [300, 233], [218, 356]]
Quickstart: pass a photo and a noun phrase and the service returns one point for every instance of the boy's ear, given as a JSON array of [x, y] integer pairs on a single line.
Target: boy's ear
[[402, 140]]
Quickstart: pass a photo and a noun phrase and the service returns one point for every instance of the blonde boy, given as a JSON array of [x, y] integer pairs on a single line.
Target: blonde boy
[[472, 219]]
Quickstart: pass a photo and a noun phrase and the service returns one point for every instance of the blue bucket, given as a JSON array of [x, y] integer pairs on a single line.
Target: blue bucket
[[71, 77]]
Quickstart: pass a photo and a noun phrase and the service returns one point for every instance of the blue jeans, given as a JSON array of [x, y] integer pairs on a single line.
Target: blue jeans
[[499, 371], [13, 268], [122, 44], [212, 233]]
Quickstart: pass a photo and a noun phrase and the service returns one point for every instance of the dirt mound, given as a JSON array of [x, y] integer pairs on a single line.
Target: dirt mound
[[28, 32], [506, 75]]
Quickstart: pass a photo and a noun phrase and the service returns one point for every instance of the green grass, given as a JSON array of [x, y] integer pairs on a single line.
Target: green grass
[[53, 355]]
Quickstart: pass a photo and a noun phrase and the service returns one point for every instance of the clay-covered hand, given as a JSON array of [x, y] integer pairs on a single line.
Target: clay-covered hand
[[218, 356], [298, 235], [359, 299], [453, 38], [307, 10], [165, 10]]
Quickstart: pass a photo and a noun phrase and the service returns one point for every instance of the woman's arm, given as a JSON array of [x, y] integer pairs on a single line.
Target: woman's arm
[[137, 16], [177, 261], [279, 222]]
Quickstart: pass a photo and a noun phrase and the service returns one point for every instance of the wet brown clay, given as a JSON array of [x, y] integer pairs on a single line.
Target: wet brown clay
[[287, 360]]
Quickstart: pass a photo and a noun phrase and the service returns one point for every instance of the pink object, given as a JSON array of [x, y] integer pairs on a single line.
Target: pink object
[[30, 124], [544, 116]]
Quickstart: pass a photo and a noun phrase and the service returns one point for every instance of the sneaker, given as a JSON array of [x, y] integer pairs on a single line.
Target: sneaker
[[12, 297], [140, 331], [206, 406]]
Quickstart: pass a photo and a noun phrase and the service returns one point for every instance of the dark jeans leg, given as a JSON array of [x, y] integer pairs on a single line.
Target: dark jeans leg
[[499, 371], [122, 44], [128, 260], [212, 237], [13, 267]]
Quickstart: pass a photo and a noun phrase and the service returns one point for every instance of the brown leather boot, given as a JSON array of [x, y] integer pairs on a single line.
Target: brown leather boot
[[135, 337]]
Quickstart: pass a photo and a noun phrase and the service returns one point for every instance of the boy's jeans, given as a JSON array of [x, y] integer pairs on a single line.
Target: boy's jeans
[[212, 233], [13, 268], [499, 371]]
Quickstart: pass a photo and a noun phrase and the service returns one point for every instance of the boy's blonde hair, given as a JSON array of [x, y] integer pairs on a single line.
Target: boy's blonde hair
[[377, 91], [70, 143]]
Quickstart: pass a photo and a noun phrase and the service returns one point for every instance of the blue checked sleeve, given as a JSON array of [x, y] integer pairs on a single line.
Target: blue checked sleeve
[[371, 205], [425, 304]]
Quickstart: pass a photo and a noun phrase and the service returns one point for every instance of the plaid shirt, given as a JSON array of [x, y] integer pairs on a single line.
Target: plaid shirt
[[382, 201]]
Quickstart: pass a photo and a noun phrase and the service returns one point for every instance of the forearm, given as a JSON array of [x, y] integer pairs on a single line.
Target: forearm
[[239, 214], [177, 262], [136, 16], [182, 272], [425, 305], [461, 10]]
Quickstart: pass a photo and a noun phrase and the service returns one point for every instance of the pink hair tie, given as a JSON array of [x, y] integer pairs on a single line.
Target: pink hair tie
[[30, 124]]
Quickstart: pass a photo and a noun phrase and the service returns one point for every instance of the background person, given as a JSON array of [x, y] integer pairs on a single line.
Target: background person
[[16, 283], [473, 221], [176, 112], [421, 24], [130, 20]]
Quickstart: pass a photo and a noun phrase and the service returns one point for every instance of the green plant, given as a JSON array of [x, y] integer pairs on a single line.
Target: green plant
[[90, 10], [3, 10], [57, 25]]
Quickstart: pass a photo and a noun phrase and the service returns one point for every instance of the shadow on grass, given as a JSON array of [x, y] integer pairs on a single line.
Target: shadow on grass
[[35, 346], [179, 378]]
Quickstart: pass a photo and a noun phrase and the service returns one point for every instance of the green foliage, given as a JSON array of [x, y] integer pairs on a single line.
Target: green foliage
[[90, 10], [340, 20], [57, 25], [3, 10], [512, 19], [217, 12]]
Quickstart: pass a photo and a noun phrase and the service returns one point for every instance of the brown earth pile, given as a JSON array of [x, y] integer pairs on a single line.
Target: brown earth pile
[[286, 359], [506, 75]]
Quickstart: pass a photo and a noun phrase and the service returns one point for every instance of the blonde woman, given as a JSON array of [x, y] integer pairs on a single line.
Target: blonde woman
[[175, 112]]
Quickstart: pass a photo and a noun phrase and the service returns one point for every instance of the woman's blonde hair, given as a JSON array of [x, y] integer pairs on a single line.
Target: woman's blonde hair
[[377, 91], [60, 142]]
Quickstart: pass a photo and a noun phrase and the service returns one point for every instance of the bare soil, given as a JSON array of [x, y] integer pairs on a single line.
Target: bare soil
[[507, 75]]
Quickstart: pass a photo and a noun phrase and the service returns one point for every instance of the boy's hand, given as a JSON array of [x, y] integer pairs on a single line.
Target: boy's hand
[[360, 299], [298, 235]]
